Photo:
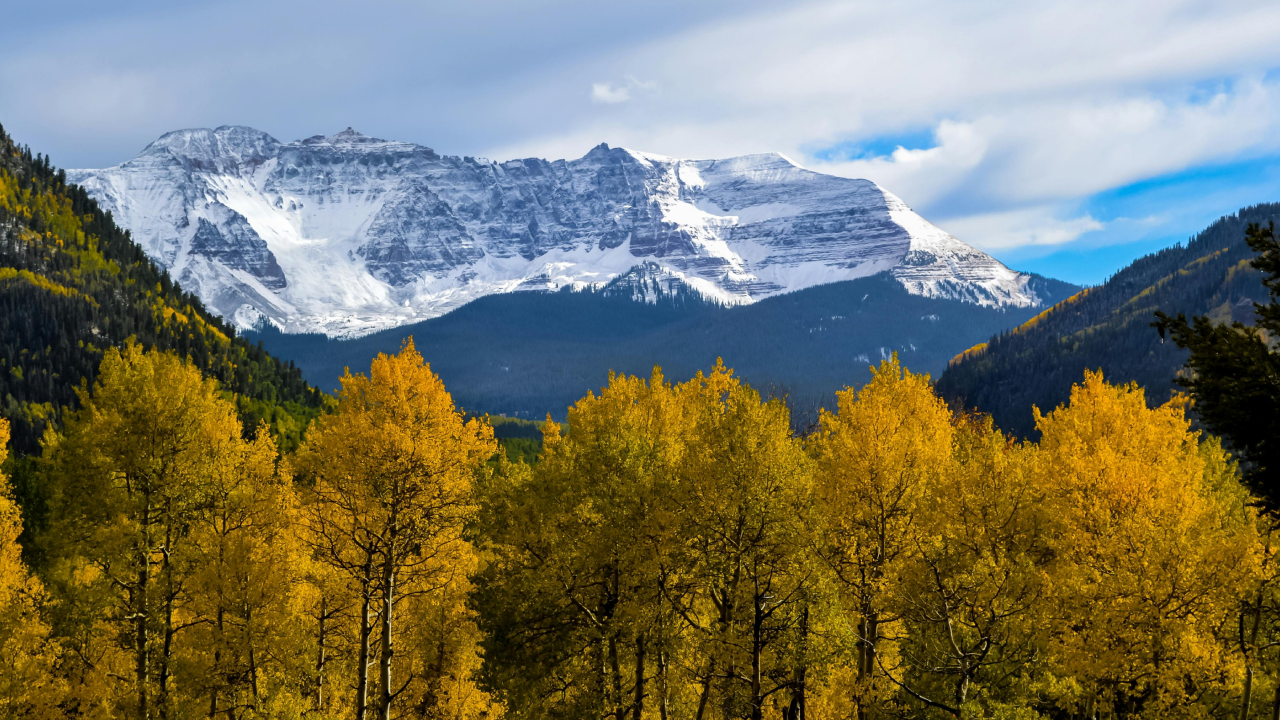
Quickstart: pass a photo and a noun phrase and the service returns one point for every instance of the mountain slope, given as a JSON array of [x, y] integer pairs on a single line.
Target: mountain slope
[[529, 354], [348, 234], [72, 283], [1109, 327]]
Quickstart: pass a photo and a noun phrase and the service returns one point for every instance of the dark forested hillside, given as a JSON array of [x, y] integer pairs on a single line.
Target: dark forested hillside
[[1109, 327], [72, 283], [526, 354]]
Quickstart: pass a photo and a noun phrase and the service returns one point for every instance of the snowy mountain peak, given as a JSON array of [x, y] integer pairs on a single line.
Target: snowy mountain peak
[[347, 234], [229, 142]]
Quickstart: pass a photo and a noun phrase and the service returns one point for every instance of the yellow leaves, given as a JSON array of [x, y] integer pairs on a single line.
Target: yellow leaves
[[151, 459], [1156, 539], [680, 545], [399, 425], [393, 472], [1114, 457], [975, 351], [192, 320], [63, 229], [876, 454], [42, 282], [28, 686]]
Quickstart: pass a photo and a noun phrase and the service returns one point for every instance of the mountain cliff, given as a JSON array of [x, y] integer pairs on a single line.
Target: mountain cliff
[[347, 234]]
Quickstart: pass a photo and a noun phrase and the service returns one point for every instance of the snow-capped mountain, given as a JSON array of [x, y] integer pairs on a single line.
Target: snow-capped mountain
[[349, 234]]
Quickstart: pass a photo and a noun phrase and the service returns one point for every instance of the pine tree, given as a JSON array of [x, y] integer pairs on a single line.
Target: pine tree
[[1235, 378]]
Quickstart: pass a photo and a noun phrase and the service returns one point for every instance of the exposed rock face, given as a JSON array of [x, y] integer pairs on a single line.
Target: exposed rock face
[[348, 234], [225, 236]]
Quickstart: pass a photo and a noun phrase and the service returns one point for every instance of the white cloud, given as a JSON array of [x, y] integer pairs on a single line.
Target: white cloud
[[613, 93], [924, 174], [1032, 105], [1025, 226], [609, 93]]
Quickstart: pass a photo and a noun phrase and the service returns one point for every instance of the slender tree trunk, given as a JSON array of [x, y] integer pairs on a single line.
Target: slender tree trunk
[[166, 653], [757, 648], [600, 662], [320, 652], [1275, 705], [217, 664], [388, 618], [253, 656], [141, 612], [1247, 696], [868, 629], [706, 690], [619, 712], [637, 707], [366, 629], [800, 694], [663, 690]]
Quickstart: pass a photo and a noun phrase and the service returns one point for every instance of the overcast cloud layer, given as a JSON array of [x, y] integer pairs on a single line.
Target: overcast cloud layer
[[1013, 117]]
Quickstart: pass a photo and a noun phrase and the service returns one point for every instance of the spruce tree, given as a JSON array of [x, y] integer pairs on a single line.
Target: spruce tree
[[1235, 378]]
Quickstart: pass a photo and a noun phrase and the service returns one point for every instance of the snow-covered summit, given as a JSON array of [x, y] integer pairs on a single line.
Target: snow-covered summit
[[229, 142], [347, 234]]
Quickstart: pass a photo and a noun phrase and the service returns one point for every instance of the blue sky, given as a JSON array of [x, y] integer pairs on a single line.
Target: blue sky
[[1065, 138], [1145, 216]]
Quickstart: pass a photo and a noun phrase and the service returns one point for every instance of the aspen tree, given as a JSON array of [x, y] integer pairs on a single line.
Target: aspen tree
[[1155, 537], [247, 643], [129, 475], [743, 491], [876, 459], [393, 470], [975, 590], [573, 600], [28, 686]]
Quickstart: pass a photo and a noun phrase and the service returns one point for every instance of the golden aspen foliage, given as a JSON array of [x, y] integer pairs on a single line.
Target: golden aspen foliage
[[974, 591], [28, 686], [1154, 544], [676, 552], [744, 497], [393, 471], [247, 642], [876, 460], [572, 597], [130, 474]]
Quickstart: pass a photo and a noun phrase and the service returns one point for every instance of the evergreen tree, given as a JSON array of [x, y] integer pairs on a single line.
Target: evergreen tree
[[1236, 372]]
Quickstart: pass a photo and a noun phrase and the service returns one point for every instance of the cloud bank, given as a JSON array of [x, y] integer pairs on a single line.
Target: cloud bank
[[1028, 109]]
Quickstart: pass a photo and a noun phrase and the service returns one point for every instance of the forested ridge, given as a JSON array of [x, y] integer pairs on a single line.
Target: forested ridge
[[73, 284], [1108, 327], [527, 354]]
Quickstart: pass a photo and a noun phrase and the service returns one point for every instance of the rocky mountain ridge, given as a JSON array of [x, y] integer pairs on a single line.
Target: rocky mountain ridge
[[348, 234]]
